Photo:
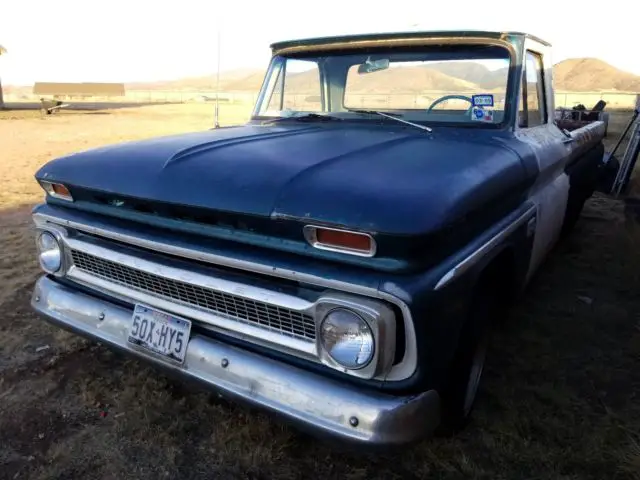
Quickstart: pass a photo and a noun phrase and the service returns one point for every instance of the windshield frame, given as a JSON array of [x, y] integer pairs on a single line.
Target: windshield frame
[[280, 56]]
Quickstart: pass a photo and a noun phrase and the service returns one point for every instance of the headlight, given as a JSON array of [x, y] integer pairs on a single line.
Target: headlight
[[49, 252], [347, 338]]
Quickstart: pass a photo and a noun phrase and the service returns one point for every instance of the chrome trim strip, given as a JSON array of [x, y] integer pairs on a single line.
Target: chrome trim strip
[[232, 327], [475, 257], [239, 327], [379, 317], [401, 371], [313, 402], [178, 274], [310, 235]]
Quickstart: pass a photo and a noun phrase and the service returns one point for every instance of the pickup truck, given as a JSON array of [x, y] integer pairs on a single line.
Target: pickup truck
[[341, 259]]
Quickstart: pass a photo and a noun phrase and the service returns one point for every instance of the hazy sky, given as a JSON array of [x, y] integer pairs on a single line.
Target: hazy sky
[[118, 40]]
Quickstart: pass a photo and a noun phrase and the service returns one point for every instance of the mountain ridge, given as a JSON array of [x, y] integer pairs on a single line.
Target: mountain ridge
[[573, 75], [586, 74]]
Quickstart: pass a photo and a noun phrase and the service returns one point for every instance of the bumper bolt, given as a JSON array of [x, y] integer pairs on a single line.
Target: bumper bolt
[[353, 421], [101, 316], [224, 363]]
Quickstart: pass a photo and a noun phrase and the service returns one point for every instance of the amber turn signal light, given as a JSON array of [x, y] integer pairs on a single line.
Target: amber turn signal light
[[57, 190], [336, 240]]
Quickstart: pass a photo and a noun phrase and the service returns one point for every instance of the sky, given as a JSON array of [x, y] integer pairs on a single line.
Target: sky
[[144, 40]]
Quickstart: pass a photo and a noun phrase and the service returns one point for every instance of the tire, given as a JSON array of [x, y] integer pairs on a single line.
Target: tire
[[575, 204], [465, 374]]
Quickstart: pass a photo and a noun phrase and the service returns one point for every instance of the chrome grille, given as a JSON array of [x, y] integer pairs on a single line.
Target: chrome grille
[[278, 319]]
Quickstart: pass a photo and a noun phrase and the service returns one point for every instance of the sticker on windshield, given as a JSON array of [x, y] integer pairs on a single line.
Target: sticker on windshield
[[482, 100], [479, 114]]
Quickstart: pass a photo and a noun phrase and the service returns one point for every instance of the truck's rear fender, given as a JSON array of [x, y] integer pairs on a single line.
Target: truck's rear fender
[[584, 168], [585, 159]]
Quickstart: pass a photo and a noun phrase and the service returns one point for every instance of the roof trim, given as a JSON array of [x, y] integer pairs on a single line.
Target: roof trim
[[396, 37]]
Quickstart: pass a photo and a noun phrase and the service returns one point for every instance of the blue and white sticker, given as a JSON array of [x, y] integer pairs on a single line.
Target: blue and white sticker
[[485, 100], [479, 114]]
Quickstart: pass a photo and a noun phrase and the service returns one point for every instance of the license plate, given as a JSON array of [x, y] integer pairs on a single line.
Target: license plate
[[160, 332]]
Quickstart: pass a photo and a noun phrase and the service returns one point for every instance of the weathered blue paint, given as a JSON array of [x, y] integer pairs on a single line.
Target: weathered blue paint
[[447, 186], [432, 201], [331, 174], [436, 315]]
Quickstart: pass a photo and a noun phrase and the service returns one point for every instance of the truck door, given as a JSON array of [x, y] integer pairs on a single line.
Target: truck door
[[535, 126]]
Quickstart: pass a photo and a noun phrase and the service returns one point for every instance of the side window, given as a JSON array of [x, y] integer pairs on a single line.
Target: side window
[[532, 104], [301, 90]]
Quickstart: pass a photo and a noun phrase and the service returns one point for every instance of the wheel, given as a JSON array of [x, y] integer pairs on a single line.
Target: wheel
[[575, 205], [465, 374]]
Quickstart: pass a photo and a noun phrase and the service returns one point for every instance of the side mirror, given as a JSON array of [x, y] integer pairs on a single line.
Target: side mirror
[[373, 65]]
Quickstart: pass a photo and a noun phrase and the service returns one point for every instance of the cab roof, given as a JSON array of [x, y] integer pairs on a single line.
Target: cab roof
[[450, 34]]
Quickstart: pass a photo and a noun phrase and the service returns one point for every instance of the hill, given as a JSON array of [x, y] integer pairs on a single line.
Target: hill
[[241, 80], [473, 72], [574, 75], [395, 80], [593, 74], [246, 80]]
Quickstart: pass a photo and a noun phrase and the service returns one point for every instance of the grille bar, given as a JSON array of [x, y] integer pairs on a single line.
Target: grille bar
[[271, 317]]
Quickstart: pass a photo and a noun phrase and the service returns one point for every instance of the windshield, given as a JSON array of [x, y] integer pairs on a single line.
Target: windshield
[[448, 84]]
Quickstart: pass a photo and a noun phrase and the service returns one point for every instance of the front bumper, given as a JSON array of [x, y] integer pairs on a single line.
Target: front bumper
[[314, 403]]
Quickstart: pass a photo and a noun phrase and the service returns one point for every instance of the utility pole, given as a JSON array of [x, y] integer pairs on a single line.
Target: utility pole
[[2, 51], [216, 114]]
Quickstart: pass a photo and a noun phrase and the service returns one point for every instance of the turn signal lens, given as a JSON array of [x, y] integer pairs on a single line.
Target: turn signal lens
[[344, 239], [337, 240], [61, 190], [57, 190]]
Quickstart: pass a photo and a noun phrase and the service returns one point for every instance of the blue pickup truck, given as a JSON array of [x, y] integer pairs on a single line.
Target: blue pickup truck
[[341, 258]]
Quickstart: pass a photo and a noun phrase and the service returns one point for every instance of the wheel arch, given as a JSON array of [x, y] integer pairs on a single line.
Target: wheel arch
[[500, 269], [497, 274]]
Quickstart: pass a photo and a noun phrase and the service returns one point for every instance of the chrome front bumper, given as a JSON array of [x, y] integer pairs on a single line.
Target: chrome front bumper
[[315, 403]]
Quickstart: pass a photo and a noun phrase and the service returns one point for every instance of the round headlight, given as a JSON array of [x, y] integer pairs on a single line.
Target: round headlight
[[50, 254], [347, 338]]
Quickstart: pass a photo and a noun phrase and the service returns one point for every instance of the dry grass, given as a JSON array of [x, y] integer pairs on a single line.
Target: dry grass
[[560, 399], [30, 139]]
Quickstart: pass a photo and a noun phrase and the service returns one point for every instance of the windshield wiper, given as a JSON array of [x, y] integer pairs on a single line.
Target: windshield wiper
[[393, 116], [308, 117]]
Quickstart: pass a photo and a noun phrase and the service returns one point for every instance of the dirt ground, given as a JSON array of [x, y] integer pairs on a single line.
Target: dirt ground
[[560, 398]]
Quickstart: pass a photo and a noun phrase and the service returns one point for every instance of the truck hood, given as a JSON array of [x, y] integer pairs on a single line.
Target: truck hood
[[369, 177]]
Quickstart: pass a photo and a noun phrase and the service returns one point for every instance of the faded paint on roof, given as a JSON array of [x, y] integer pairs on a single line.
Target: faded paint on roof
[[310, 42]]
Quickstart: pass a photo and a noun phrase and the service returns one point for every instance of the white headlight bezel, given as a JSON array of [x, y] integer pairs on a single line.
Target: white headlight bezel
[[381, 321], [57, 237]]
